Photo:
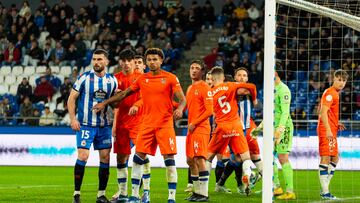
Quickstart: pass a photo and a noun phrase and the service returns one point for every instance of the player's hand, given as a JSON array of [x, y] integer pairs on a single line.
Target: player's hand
[[255, 133], [117, 91], [75, 125], [277, 134], [133, 110], [191, 127], [341, 127], [98, 107], [329, 135], [178, 114]]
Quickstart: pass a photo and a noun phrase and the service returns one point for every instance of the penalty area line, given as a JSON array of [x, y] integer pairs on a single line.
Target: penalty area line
[[43, 186], [337, 200]]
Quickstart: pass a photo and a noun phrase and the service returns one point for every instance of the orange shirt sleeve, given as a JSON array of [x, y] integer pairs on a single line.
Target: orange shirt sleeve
[[175, 84], [208, 104], [249, 86], [327, 99], [136, 85]]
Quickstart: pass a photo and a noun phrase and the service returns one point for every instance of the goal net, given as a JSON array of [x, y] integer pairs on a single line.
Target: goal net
[[313, 39]]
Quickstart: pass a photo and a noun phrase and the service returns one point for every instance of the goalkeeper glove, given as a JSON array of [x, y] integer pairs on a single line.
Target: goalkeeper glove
[[255, 132]]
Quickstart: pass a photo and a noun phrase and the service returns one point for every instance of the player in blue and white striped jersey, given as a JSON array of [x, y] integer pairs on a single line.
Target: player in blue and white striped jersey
[[92, 87]]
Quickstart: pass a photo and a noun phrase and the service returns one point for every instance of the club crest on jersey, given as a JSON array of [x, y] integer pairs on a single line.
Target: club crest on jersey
[[286, 97], [83, 143], [196, 92], [146, 80], [163, 81]]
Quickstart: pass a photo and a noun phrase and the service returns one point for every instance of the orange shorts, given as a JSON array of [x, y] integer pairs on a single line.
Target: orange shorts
[[252, 143], [228, 134], [122, 143], [327, 148], [226, 154], [149, 138], [197, 144]]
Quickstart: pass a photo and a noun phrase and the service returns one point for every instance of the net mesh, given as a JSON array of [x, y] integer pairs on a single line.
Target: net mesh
[[310, 47]]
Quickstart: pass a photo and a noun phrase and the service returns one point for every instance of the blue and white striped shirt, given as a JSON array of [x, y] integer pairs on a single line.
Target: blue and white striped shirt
[[93, 90], [245, 107]]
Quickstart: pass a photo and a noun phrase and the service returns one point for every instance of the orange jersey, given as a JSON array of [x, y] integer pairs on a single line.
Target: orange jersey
[[225, 101], [330, 98], [123, 118], [157, 92], [199, 102]]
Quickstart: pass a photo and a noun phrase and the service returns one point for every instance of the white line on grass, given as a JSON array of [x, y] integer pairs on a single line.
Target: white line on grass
[[337, 200]]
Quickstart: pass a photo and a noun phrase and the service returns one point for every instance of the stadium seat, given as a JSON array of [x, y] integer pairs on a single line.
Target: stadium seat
[[19, 79], [32, 80], [29, 70], [4, 89], [40, 69], [55, 69], [10, 79], [17, 70], [111, 69], [61, 77], [65, 71], [5, 70], [13, 89]]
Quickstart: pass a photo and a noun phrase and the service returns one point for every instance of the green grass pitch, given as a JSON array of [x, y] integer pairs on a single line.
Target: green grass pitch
[[55, 184]]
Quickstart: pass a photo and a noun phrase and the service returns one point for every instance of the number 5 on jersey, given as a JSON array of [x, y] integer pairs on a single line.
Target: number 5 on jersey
[[225, 106]]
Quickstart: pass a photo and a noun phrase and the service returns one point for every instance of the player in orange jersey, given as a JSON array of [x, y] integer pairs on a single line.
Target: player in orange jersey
[[229, 130], [140, 65], [200, 108], [126, 127], [157, 88], [328, 126]]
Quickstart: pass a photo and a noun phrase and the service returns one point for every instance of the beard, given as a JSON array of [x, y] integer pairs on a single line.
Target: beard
[[98, 69]]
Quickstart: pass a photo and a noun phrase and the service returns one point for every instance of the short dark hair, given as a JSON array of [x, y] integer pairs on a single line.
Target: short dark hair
[[199, 62], [217, 70], [101, 51], [279, 70], [229, 78], [140, 57], [154, 51], [127, 54], [241, 68], [342, 74]]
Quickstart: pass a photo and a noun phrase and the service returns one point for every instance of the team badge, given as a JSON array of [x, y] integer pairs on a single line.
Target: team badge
[[147, 80], [328, 98], [286, 97], [196, 92], [163, 81], [83, 143]]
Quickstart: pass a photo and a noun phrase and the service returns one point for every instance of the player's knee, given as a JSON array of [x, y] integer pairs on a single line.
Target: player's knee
[[105, 158], [122, 158], [83, 156], [190, 161]]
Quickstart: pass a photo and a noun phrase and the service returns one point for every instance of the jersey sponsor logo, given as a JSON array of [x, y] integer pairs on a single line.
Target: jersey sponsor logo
[[231, 133], [328, 98], [100, 94]]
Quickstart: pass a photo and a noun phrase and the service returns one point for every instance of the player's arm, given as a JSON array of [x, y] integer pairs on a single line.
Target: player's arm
[[208, 101], [247, 88], [285, 100], [116, 98], [135, 107], [116, 111], [71, 104], [325, 119], [182, 103]]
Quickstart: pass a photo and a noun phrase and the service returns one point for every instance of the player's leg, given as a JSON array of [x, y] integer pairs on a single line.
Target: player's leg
[[145, 144], [146, 180], [193, 174], [229, 168], [254, 149], [122, 150], [103, 143], [203, 189], [283, 149], [219, 168], [166, 139], [84, 139], [332, 166]]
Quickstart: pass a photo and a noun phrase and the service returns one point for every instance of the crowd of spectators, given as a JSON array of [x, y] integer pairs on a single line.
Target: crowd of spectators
[[57, 35], [305, 44]]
